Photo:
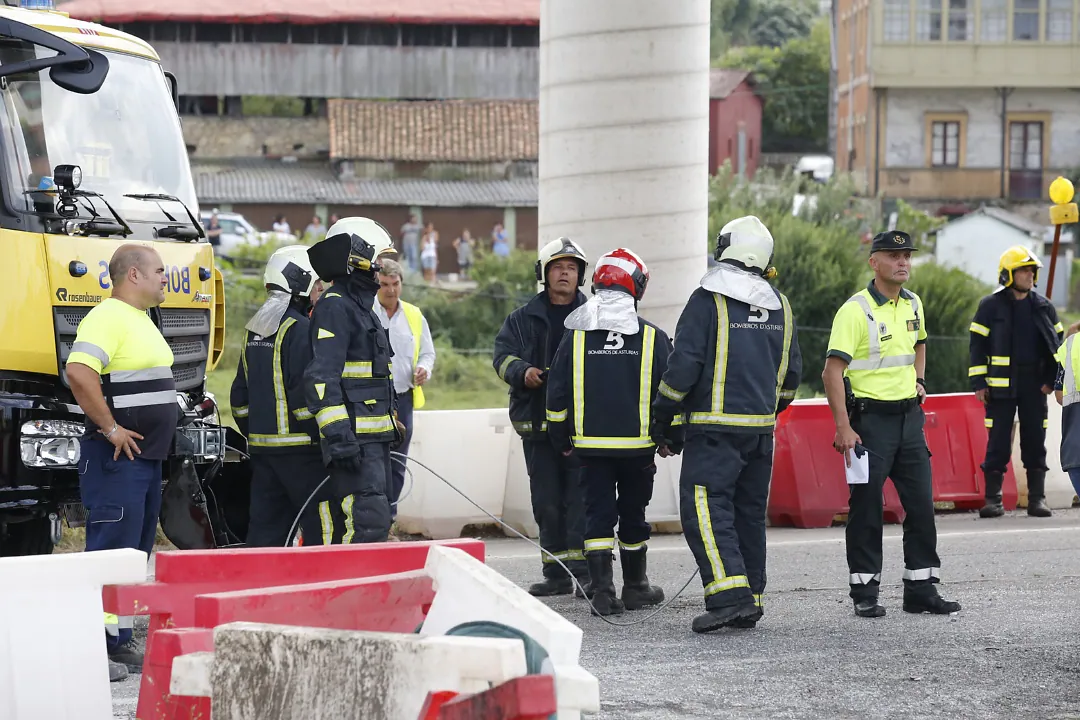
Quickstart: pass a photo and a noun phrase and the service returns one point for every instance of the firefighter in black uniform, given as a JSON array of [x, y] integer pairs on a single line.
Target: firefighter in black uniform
[[524, 348], [268, 404], [600, 391], [877, 348], [348, 385], [736, 364], [1014, 336]]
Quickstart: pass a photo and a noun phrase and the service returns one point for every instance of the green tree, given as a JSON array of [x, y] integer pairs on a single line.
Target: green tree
[[731, 22], [778, 21], [794, 82]]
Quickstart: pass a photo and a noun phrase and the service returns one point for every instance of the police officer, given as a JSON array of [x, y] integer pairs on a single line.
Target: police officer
[[524, 348], [268, 404], [348, 386], [878, 343], [600, 390], [736, 363], [1014, 336]]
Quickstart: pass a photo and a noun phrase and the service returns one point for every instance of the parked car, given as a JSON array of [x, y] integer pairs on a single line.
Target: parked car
[[235, 231]]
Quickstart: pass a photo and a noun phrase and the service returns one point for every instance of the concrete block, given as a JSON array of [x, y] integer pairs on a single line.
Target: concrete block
[[191, 675], [292, 673], [467, 590], [52, 639]]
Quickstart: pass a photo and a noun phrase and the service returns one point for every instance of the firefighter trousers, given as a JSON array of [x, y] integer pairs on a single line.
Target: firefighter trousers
[[616, 489], [898, 451], [1030, 404], [723, 497], [554, 483], [280, 485], [354, 508]]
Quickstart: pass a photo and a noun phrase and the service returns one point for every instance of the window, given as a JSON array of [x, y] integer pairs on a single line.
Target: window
[[897, 20], [928, 20], [482, 36], [961, 20], [1025, 145], [1059, 20], [945, 144], [1025, 19], [995, 21]]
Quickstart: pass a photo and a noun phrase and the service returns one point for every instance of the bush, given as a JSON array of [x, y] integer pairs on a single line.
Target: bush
[[951, 297]]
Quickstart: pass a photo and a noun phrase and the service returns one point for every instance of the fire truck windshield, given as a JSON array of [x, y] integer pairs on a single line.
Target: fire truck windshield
[[126, 137]]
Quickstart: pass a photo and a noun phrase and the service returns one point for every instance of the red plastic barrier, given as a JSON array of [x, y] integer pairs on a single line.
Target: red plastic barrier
[[808, 485], [157, 672], [183, 575], [383, 603], [531, 697], [956, 435]]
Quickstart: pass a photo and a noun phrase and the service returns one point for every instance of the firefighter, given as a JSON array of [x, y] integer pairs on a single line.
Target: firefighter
[[736, 364], [348, 385], [1014, 336], [878, 343], [599, 393], [524, 348], [268, 403]]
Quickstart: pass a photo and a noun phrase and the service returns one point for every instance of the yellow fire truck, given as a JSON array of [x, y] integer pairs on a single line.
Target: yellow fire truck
[[92, 156]]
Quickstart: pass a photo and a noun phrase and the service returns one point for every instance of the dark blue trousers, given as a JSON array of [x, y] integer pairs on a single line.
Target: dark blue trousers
[[123, 499], [397, 464]]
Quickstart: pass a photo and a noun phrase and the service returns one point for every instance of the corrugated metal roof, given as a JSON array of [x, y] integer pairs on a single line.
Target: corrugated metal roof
[[257, 182], [480, 12], [435, 131], [723, 82]]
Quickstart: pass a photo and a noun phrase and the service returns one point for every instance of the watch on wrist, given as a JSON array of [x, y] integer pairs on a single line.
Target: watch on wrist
[[922, 382], [114, 428]]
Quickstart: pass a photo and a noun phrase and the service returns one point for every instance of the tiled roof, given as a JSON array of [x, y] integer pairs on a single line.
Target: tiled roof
[[435, 131], [263, 182], [723, 82], [479, 12]]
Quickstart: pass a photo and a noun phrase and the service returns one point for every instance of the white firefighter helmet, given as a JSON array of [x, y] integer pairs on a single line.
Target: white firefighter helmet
[[289, 270], [369, 230], [748, 242], [564, 247]]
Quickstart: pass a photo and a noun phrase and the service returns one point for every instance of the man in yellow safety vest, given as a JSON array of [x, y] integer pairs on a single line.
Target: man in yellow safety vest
[[414, 359]]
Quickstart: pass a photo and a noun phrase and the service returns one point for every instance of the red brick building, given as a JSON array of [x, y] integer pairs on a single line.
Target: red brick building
[[734, 114]]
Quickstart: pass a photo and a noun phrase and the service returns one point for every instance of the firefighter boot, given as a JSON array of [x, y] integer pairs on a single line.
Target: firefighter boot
[[604, 601], [580, 569], [924, 600], [993, 507], [555, 582], [732, 616], [1037, 506], [637, 592]]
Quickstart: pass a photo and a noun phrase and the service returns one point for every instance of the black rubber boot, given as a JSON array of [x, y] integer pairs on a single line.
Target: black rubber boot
[[117, 671], [604, 601], [723, 617], [1037, 506], [127, 655], [549, 587], [869, 608], [751, 622], [637, 592], [580, 569], [928, 603], [993, 507]]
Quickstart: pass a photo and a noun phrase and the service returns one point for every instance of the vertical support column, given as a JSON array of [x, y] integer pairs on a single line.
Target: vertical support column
[[624, 136], [510, 226]]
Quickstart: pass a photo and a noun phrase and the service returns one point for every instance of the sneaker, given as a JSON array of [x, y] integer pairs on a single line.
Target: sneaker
[[128, 655], [117, 671]]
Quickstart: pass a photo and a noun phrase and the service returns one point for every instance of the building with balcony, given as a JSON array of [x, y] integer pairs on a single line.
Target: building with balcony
[[957, 99]]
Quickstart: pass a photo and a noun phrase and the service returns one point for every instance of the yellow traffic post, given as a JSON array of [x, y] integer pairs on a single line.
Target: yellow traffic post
[[1063, 211]]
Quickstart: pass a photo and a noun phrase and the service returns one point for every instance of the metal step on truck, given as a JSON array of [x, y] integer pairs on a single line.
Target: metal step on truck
[[91, 157]]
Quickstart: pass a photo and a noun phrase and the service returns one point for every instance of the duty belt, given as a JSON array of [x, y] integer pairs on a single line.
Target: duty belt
[[865, 406]]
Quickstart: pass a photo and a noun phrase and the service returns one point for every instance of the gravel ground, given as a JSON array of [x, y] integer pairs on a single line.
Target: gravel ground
[[1011, 652]]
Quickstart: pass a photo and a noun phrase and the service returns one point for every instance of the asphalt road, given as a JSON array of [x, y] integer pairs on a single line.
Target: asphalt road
[[1011, 652]]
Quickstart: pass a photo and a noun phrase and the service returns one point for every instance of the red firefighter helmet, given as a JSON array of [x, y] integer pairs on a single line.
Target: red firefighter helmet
[[622, 269]]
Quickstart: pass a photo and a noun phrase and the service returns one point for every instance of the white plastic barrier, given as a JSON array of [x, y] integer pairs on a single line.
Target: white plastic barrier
[[1059, 489], [469, 448], [52, 633], [280, 671], [480, 453], [467, 590]]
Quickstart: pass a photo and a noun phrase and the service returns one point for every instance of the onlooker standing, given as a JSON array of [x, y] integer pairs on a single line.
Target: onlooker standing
[[499, 244], [464, 246], [414, 359], [315, 230], [213, 229], [429, 254], [281, 226], [410, 241], [120, 371]]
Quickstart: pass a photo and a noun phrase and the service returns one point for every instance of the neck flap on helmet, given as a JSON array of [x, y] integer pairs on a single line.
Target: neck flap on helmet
[[611, 310], [742, 285]]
